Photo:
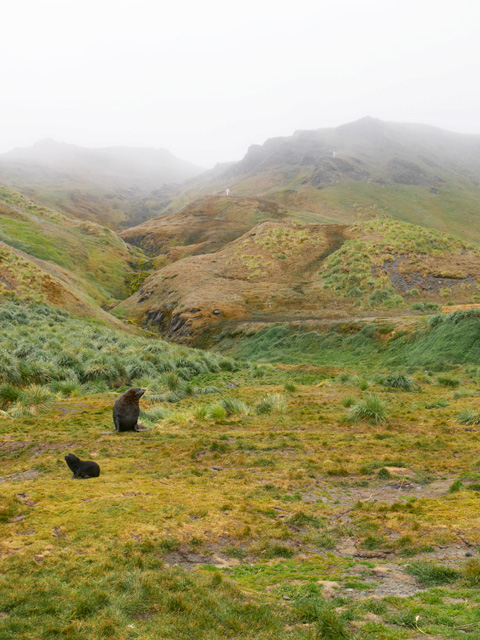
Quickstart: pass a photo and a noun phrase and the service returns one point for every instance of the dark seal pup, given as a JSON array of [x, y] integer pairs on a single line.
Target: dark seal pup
[[126, 411], [87, 469]]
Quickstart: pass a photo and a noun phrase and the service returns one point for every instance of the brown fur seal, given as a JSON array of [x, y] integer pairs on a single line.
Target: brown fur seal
[[126, 411], [87, 469]]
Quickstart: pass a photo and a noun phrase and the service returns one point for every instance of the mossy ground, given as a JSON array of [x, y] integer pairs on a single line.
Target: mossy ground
[[268, 519]]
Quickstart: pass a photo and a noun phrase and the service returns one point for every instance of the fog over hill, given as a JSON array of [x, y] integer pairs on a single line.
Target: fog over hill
[[102, 185], [419, 173]]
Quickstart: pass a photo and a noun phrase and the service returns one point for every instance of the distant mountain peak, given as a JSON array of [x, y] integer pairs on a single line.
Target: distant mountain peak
[[45, 142], [366, 126]]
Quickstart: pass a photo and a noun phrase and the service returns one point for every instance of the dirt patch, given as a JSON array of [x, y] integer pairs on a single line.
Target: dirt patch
[[30, 474], [189, 559], [444, 272], [76, 408]]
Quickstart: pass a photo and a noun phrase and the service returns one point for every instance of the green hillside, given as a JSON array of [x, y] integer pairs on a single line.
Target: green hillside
[[315, 473], [94, 256]]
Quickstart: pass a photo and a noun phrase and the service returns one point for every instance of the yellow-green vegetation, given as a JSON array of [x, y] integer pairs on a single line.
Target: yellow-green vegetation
[[389, 264], [19, 277], [283, 241], [279, 244], [203, 226], [256, 506], [95, 257]]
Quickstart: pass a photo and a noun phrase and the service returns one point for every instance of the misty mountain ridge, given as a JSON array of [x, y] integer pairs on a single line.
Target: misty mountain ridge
[[202, 260], [418, 173], [143, 165], [107, 185], [365, 150]]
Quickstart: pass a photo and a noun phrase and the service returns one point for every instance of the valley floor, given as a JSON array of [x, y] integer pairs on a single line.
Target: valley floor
[[254, 511]]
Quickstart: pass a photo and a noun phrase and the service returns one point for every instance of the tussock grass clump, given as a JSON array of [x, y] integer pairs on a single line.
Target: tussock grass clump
[[207, 390], [216, 412], [471, 573], [446, 381], [9, 371], [172, 381], [272, 403], [310, 607], [431, 574], [372, 409], [234, 407], [438, 404], [469, 417], [8, 394], [227, 364], [425, 307], [330, 626], [69, 387], [271, 549], [348, 402], [30, 401], [399, 381], [200, 412], [9, 508], [384, 474], [301, 519], [154, 414], [456, 486]]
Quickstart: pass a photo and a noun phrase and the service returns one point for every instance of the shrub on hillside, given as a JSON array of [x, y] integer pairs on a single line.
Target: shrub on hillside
[[372, 409], [273, 403], [448, 382], [399, 381]]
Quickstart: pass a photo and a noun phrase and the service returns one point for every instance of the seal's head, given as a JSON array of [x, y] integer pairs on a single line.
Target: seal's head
[[135, 392], [72, 461], [131, 396]]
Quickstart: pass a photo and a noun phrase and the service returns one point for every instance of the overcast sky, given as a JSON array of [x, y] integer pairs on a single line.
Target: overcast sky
[[205, 79]]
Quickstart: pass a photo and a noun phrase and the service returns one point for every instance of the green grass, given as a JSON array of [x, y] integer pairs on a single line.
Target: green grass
[[129, 593], [445, 339], [399, 381], [432, 575], [46, 351]]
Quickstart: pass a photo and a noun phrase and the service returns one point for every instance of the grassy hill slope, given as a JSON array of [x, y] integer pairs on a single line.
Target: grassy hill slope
[[203, 226], [93, 255], [71, 264]]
